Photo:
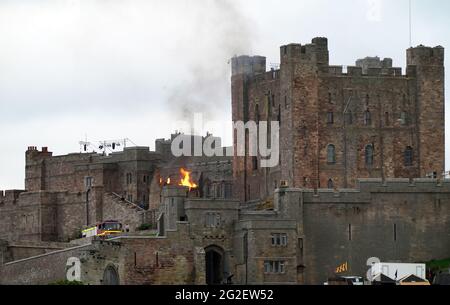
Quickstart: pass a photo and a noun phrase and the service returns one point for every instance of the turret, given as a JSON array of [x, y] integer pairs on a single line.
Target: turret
[[428, 64], [35, 171], [248, 65], [315, 52], [243, 69]]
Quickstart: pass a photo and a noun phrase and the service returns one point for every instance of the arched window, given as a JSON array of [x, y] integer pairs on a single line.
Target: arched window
[[367, 118], [386, 119], [369, 155], [409, 154], [331, 154], [330, 184]]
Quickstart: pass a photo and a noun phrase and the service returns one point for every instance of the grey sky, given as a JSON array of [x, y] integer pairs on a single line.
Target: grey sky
[[116, 69]]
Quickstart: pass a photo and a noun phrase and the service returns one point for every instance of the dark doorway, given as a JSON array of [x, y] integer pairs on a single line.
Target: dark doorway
[[110, 276], [214, 266], [161, 229]]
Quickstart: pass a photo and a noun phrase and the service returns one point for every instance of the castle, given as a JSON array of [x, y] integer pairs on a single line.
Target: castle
[[370, 121], [362, 152]]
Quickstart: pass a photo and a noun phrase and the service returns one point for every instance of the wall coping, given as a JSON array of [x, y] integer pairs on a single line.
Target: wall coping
[[46, 254]]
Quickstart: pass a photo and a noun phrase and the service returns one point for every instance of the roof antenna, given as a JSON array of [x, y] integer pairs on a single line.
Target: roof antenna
[[410, 23]]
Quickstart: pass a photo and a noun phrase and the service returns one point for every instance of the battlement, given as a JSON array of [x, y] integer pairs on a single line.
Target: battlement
[[373, 62], [248, 65], [33, 152], [362, 194], [267, 76], [355, 71], [426, 56], [315, 52], [10, 196]]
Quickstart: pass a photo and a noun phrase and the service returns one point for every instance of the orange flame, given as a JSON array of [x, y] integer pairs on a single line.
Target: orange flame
[[186, 179], [168, 180]]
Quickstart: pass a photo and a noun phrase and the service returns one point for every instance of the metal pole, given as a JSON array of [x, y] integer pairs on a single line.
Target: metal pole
[[410, 23]]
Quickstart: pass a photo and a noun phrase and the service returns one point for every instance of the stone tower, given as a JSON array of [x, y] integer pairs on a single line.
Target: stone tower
[[428, 66], [339, 124]]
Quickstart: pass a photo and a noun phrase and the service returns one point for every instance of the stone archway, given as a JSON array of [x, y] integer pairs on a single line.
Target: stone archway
[[110, 276], [215, 266]]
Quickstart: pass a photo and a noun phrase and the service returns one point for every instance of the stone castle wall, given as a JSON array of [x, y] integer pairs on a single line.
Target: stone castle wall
[[319, 105]]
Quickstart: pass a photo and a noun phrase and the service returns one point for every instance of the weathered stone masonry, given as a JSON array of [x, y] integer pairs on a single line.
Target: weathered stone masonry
[[369, 109]]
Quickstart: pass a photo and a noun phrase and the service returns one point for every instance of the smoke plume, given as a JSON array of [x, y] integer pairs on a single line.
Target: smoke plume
[[220, 31]]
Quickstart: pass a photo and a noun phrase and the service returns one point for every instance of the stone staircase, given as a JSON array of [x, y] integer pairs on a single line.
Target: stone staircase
[[128, 212], [125, 202]]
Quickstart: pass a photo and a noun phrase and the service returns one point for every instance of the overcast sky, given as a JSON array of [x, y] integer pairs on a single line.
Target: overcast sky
[[127, 69]]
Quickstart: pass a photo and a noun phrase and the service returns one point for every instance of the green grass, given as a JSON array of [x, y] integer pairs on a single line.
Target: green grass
[[439, 265]]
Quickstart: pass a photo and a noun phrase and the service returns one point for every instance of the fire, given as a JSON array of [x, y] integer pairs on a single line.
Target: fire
[[168, 180], [186, 179]]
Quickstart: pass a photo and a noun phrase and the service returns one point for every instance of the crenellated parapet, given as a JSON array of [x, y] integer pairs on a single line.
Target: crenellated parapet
[[9, 197], [355, 71], [366, 188]]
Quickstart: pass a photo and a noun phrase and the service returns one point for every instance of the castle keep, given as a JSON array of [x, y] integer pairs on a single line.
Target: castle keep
[[362, 154], [339, 124]]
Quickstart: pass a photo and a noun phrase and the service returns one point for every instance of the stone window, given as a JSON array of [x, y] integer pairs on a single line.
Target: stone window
[[395, 232], [367, 118], [349, 118], [228, 190], [269, 104], [279, 114], [386, 119], [257, 113], [146, 179], [330, 117], [255, 163], [218, 190], [331, 154], [303, 131], [88, 182], [129, 178], [404, 118], [369, 155], [245, 246], [330, 184], [279, 239], [409, 154], [213, 220], [274, 267]]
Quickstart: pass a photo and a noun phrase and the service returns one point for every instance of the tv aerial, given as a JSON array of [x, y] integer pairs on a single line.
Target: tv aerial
[[106, 145]]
